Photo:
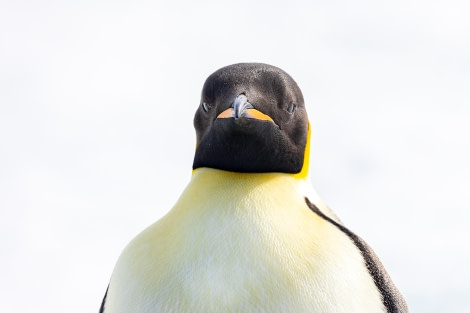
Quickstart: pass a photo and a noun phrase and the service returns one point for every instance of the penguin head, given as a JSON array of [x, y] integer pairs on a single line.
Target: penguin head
[[251, 119]]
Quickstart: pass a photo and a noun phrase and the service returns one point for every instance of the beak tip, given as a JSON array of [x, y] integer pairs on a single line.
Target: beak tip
[[240, 105]]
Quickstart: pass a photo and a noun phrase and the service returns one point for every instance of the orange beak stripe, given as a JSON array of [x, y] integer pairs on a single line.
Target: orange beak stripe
[[249, 113], [226, 114]]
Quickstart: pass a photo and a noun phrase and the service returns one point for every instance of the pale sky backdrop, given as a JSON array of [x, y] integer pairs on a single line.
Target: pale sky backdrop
[[96, 138]]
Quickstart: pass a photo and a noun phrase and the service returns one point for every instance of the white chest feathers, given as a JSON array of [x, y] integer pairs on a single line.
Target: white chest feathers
[[242, 243]]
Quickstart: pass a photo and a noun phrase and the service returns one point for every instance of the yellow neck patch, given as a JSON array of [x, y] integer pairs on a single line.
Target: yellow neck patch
[[306, 166]]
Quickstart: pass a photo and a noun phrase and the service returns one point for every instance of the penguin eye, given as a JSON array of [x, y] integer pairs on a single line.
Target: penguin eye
[[291, 108], [206, 107]]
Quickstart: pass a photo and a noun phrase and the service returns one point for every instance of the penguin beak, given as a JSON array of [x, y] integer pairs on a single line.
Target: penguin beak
[[242, 108]]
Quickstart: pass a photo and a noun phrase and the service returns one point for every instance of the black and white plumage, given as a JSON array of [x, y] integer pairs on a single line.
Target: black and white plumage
[[249, 233]]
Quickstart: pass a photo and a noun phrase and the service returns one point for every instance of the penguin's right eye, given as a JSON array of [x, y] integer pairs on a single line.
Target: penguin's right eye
[[291, 108], [206, 107]]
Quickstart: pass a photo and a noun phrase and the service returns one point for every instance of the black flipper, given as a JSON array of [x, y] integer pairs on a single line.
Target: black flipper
[[104, 301], [391, 297]]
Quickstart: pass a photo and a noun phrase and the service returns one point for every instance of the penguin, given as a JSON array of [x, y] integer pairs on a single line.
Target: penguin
[[249, 233]]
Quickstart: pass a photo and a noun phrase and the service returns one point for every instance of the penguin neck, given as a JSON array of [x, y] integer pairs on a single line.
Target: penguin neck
[[218, 179], [222, 190], [215, 185]]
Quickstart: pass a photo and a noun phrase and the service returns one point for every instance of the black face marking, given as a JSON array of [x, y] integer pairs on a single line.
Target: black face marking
[[104, 301], [243, 144], [391, 297]]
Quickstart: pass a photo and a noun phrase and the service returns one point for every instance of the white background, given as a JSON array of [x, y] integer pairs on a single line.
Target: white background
[[96, 136]]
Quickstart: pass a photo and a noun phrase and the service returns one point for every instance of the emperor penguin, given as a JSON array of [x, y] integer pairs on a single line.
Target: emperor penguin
[[249, 233]]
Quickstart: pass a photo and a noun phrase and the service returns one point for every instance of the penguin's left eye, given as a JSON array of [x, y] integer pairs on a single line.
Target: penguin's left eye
[[291, 108], [206, 107]]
